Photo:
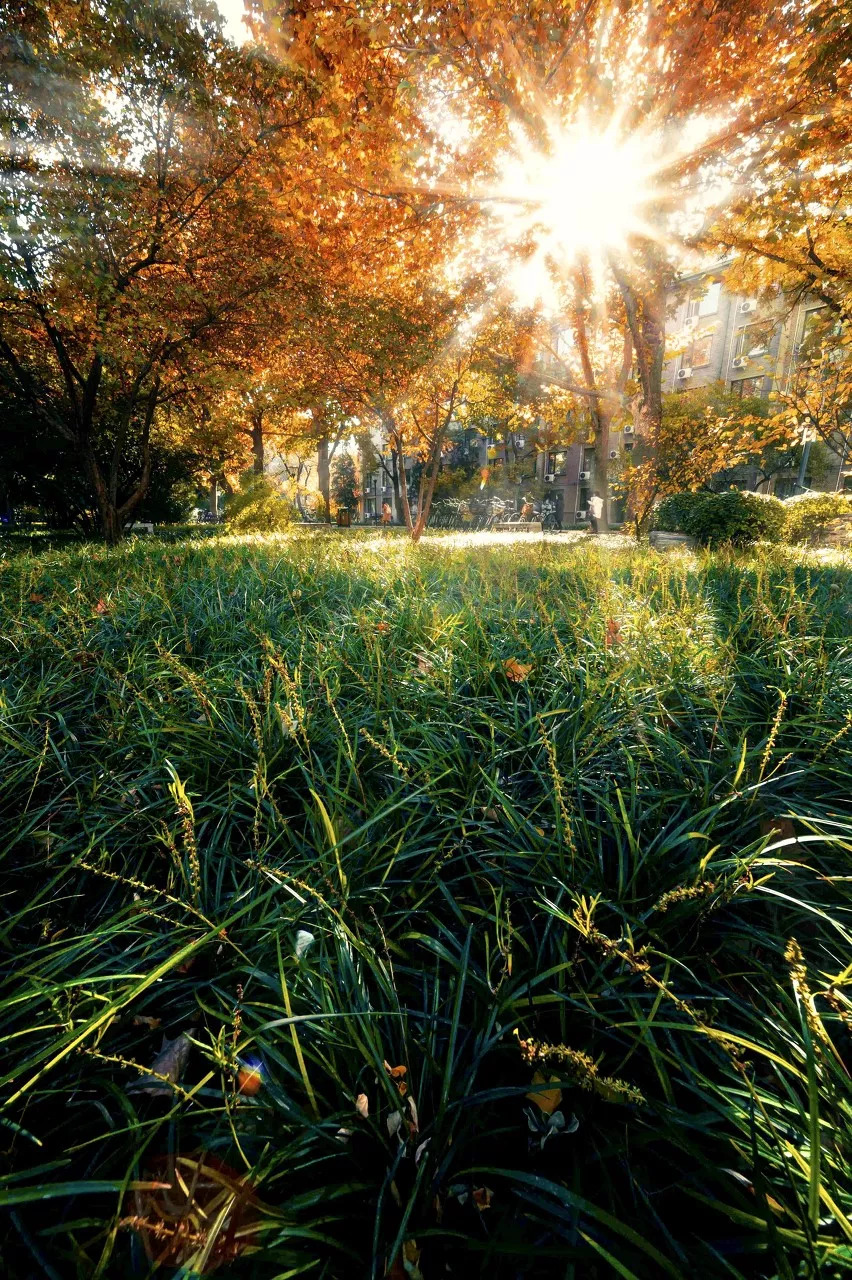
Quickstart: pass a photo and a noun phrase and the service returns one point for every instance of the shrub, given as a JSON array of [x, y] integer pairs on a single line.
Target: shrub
[[803, 516], [735, 517], [259, 507], [674, 510]]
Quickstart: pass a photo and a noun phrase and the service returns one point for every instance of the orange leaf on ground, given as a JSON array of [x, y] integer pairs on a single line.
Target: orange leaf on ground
[[547, 1100], [102, 607], [362, 1105], [482, 1197], [612, 635], [35, 598], [383, 627], [516, 671]]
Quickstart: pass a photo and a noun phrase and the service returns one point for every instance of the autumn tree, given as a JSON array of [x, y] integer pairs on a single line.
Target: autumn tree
[[815, 402], [139, 244], [703, 433]]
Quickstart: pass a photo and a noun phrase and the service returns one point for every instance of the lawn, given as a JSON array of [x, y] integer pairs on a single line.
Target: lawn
[[493, 902]]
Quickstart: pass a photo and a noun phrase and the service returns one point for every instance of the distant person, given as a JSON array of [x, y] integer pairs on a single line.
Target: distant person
[[595, 510], [527, 508], [558, 499], [386, 513]]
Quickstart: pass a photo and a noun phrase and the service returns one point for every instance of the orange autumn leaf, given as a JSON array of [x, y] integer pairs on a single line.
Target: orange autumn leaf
[[383, 627], [102, 607], [547, 1100], [482, 1197], [612, 634], [35, 598], [516, 671], [395, 1073]]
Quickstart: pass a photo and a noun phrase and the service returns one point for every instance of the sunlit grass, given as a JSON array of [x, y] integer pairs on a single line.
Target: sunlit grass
[[209, 748]]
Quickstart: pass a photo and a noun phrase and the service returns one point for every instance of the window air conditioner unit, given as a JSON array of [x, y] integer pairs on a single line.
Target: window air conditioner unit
[[757, 351], [629, 429], [739, 362], [585, 475], [689, 323], [682, 374], [747, 306], [613, 453], [550, 476]]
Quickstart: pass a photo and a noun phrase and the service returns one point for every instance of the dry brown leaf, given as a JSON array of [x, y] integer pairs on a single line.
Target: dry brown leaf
[[612, 634], [166, 1068], [362, 1105], [482, 1197], [516, 671]]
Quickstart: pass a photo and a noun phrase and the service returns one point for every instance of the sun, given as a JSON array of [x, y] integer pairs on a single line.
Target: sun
[[585, 195]]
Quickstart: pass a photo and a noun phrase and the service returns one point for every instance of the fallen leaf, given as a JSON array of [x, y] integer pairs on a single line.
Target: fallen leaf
[[304, 939], [425, 666], [612, 634], [362, 1105], [167, 1067], [516, 671], [35, 598], [141, 1020], [395, 1073], [383, 627], [102, 607], [178, 1215], [482, 1197], [779, 828], [394, 1123], [547, 1100]]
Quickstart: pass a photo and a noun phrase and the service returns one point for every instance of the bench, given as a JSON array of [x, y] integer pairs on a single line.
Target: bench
[[518, 526], [141, 526]]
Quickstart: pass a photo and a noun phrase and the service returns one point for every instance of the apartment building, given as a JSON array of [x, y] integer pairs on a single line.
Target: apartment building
[[748, 345]]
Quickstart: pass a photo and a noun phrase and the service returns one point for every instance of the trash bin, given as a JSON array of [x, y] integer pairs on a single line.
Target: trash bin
[[344, 518]]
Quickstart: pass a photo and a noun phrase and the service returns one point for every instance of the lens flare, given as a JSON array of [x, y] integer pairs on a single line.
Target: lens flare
[[585, 195]]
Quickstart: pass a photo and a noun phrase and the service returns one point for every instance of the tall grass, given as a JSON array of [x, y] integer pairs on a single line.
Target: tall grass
[[625, 873]]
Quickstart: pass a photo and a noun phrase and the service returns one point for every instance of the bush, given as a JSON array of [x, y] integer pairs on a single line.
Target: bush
[[803, 516], [674, 510], [259, 507], [735, 517]]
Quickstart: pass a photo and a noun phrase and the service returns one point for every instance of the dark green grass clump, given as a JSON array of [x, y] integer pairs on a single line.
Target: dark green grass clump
[[285, 799]]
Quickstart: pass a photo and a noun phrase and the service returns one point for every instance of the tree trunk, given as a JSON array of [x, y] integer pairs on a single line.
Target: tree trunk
[[213, 497], [257, 449], [598, 412], [425, 495], [324, 474], [646, 318]]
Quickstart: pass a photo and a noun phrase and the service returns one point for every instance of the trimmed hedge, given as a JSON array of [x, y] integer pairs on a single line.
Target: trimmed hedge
[[804, 516], [735, 517]]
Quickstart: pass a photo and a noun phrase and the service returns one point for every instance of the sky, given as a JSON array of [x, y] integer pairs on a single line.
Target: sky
[[232, 11]]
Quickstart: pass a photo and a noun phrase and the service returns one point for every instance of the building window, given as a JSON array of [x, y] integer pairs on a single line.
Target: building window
[[812, 333], [556, 462], [708, 304], [747, 387], [699, 353], [705, 303], [754, 340]]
